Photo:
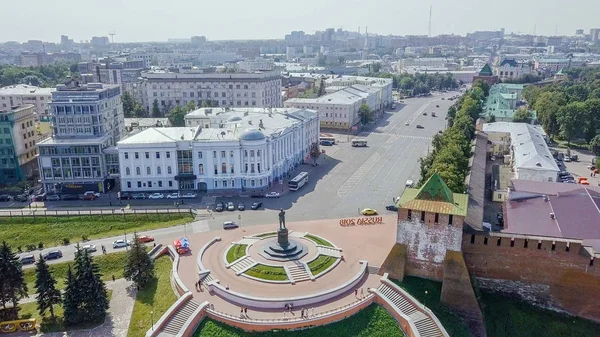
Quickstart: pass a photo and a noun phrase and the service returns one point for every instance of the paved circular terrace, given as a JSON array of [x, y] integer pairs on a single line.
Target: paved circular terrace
[[359, 243]]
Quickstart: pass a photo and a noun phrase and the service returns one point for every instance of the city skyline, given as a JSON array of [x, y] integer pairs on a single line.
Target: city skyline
[[144, 21]]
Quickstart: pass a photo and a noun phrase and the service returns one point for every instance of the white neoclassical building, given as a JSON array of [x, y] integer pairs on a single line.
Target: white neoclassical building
[[225, 150]]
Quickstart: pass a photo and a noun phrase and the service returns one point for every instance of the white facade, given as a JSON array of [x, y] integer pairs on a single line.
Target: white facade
[[251, 90], [21, 94], [255, 65], [249, 151], [508, 69], [554, 65]]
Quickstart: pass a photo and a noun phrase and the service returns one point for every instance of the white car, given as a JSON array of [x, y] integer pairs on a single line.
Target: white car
[[230, 206], [272, 195], [156, 196], [95, 194], [410, 183], [407, 123], [173, 196], [121, 243], [229, 225], [89, 248], [188, 195]]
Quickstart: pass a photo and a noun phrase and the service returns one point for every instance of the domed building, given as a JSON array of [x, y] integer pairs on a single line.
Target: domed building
[[219, 149]]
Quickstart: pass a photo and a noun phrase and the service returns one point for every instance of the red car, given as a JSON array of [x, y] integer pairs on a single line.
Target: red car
[[145, 238]]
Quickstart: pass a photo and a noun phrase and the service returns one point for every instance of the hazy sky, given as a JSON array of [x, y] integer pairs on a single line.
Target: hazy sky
[[158, 20]]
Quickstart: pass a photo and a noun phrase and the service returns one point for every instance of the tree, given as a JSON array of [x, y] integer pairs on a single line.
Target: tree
[[321, 88], [483, 86], [32, 80], [375, 67], [547, 105], [128, 104], [155, 109], [71, 299], [45, 285], [592, 118], [12, 282], [315, 152], [176, 116], [139, 267], [207, 104], [522, 115], [570, 117], [190, 106], [491, 118], [365, 114], [595, 145]]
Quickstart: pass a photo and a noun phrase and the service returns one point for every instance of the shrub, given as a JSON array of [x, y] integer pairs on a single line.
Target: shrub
[[40, 245], [30, 247], [66, 241], [84, 237]]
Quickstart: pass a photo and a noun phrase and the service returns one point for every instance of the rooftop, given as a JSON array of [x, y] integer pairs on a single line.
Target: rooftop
[[434, 197], [74, 141], [147, 122], [486, 71], [25, 90]]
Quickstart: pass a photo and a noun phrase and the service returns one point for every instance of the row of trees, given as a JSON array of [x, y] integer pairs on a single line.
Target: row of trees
[[43, 76], [85, 296], [569, 109], [416, 84], [452, 149]]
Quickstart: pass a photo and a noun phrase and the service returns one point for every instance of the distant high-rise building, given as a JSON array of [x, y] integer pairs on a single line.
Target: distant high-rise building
[[198, 40], [595, 35], [18, 150], [100, 42], [579, 32]]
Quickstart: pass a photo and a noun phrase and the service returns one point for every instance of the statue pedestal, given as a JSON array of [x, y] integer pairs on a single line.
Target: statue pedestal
[[283, 249], [282, 237]]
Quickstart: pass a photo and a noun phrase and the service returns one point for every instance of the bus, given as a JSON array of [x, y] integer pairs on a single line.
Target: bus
[[298, 181], [327, 139], [359, 142]]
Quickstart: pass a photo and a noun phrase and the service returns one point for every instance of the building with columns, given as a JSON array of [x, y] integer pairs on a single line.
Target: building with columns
[[219, 149]]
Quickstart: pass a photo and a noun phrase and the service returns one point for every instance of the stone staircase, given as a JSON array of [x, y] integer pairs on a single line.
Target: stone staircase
[[426, 327], [297, 273], [329, 251], [243, 265], [207, 279], [176, 322]]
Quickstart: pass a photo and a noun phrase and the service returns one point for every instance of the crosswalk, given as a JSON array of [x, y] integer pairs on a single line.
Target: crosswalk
[[358, 175]]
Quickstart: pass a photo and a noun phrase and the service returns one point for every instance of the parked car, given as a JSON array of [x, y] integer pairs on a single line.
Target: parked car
[[272, 195], [188, 195], [38, 197], [219, 207], [21, 197], [156, 196], [5, 197], [567, 159], [88, 197], [393, 208], [89, 248], [407, 123], [124, 196], [419, 126], [120, 243], [230, 206], [326, 143], [256, 205], [433, 114], [139, 196], [257, 195], [53, 197], [70, 197], [28, 259], [95, 194], [437, 106], [424, 113], [410, 183], [230, 225], [173, 196], [241, 206], [500, 218], [52, 255], [368, 211], [145, 238]]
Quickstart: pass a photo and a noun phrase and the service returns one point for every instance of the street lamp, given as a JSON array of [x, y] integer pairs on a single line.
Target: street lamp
[[152, 319]]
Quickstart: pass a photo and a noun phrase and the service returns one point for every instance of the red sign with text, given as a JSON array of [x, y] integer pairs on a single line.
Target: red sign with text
[[376, 220]]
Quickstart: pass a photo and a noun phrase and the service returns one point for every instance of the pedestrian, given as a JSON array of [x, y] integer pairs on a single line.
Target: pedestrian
[[155, 244], [113, 277], [313, 311], [241, 311], [302, 313], [355, 292], [362, 293], [246, 311], [284, 312]]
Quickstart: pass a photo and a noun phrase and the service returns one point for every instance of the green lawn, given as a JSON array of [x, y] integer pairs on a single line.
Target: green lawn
[[50, 231], [156, 297], [318, 241], [417, 287], [267, 273], [320, 264], [29, 310], [373, 321], [264, 235], [109, 264], [510, 317], [236, 252]]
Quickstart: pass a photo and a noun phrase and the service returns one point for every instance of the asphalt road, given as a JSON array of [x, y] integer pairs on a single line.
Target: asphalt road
[[346, 180]]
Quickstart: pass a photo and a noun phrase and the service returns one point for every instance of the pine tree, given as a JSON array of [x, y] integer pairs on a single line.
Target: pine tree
[[321, 88], [45, 284], [12, 282], [71, 300], [139, 267], [156, 109], [93, 297]]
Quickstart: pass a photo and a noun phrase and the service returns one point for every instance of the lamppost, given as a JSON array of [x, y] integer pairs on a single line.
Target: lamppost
[[152, 319]]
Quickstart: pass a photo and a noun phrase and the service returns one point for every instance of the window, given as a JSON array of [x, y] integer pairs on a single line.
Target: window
[[485, 240], [251, 153], [170, 183], [127, 171], [138, 171], [148, 170], [422, 216], [200, 169], [129, 184], [437, 218], [160, 184], [232, 169], [450, 218], [126, 155], [258, 167], [499, 243], [258, 153], [168, 154], [214, 154], [246, 170], [245, 153], [157, 155], [147, 155], [224, 183], [216, 184], [200, 155], [169, 171], [223, 168], [251, 168], [149, 184], [158, 170], [231, 154], [216, 169], [472, 238], [137, 155], [222, 154]]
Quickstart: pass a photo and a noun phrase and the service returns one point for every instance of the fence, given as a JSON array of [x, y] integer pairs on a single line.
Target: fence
[[34, 213]]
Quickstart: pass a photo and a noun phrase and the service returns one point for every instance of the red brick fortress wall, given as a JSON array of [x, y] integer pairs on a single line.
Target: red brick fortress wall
[[571, 277]]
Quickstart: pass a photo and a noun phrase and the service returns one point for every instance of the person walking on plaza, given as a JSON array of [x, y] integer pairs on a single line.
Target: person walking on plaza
[[362, 293], [356, 292]]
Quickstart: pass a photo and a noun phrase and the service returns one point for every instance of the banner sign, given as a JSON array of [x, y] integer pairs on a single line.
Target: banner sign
[[350, 222]]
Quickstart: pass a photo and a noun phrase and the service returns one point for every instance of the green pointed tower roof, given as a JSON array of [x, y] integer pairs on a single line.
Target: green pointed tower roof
[[435, 189], [486, 71]]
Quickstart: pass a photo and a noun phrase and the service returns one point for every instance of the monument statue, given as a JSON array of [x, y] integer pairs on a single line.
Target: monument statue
[[282, 219]]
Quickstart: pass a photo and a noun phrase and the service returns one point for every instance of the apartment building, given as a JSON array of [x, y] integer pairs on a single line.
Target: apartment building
[[87, 120], [510, 68], [17, 144], [220, 149], [22, 94], [250, 90], [554, 65]]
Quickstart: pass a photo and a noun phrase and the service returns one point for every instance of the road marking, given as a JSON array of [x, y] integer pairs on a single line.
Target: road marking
[[403, 136], [358, 175], [390, 158]]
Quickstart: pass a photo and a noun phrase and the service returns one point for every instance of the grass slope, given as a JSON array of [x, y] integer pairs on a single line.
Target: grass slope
[[373, 321], [236, 252], [320, 264], [417, 288], [156, 297], [506, 317], [50, 231], [109, 264], [318, 241], [267, 273]]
